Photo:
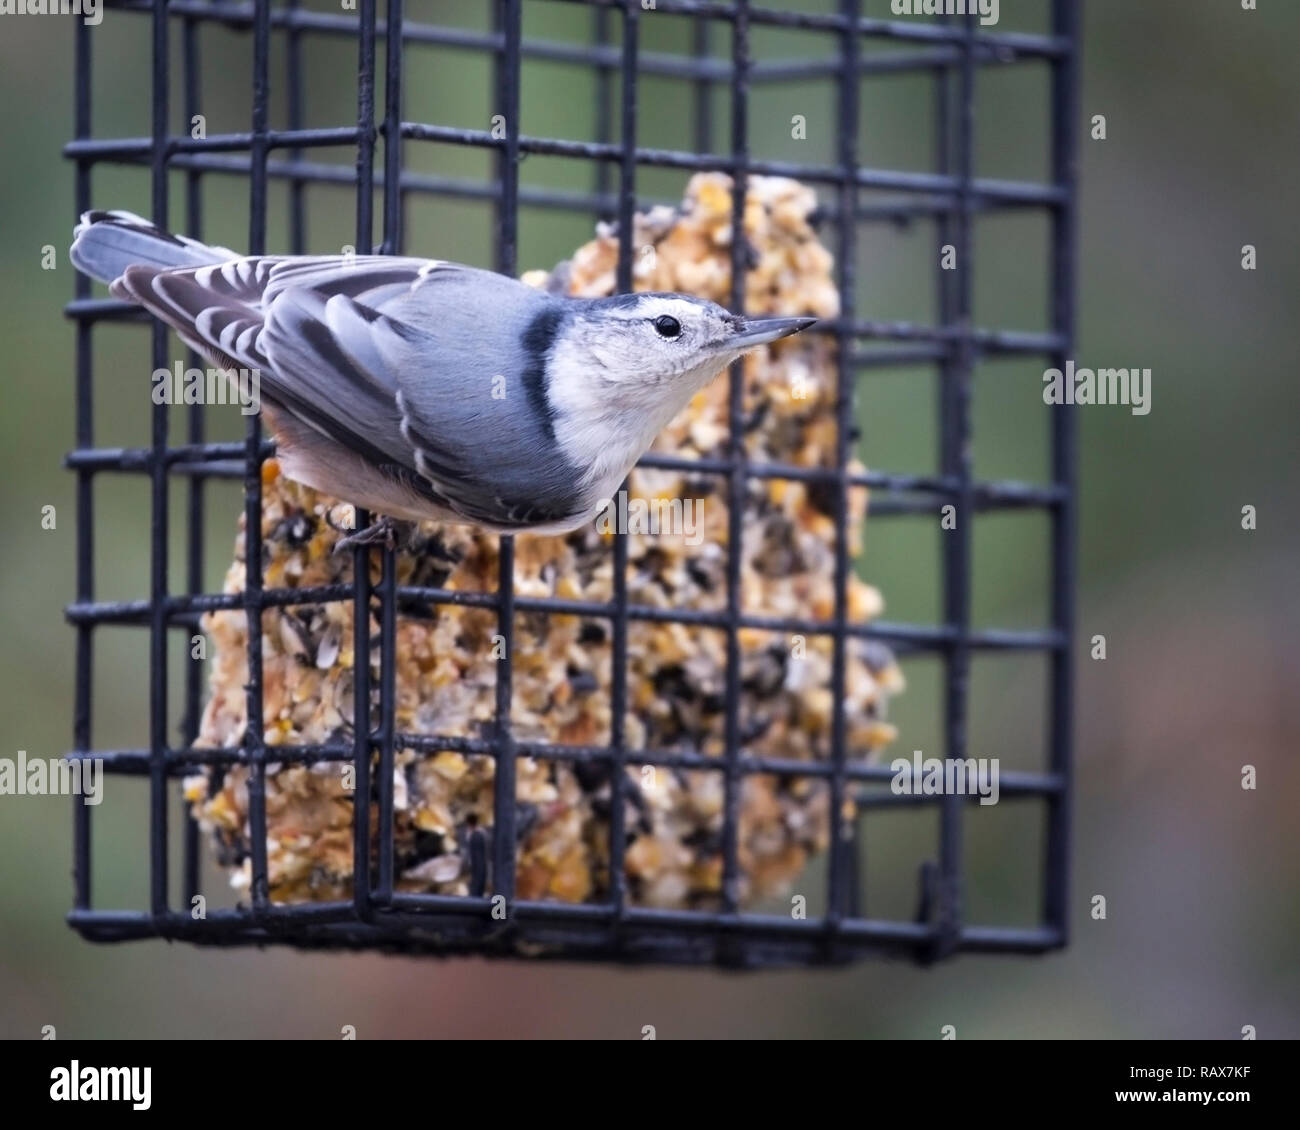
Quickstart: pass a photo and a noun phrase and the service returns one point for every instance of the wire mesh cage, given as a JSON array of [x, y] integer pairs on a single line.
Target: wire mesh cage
[[950, 53]]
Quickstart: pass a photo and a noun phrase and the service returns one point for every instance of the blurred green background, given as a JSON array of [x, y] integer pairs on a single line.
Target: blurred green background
[[1201, 878]]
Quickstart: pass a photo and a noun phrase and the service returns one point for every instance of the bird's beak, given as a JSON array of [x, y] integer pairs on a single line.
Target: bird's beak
[[759, 331]]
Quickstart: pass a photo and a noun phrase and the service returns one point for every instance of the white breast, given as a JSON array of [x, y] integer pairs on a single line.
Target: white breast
[[604, 426]]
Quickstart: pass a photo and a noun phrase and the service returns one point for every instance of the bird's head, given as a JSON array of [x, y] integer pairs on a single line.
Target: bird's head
[[650, 345], [621, 368]]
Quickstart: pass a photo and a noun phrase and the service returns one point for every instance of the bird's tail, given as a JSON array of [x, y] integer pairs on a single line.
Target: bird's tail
[[105, 244]]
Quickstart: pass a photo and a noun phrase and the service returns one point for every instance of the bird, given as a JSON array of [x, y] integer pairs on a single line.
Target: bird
[[423, 389]]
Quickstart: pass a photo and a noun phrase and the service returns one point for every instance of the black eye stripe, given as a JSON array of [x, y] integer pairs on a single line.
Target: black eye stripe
[[667, 326]]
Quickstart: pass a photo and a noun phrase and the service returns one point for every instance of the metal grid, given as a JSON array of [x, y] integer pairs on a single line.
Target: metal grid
[[378, 916]]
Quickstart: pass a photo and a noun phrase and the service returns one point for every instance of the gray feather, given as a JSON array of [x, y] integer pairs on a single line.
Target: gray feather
[[428, 377], [418, 367], [107, 243]]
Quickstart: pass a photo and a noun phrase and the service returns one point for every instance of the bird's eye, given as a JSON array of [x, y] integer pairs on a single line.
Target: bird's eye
[[666, 326]]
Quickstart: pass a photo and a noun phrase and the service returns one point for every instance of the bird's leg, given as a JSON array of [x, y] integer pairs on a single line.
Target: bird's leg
[[388, 532]]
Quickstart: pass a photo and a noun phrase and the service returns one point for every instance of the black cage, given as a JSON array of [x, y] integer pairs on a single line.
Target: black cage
[[952, 51]]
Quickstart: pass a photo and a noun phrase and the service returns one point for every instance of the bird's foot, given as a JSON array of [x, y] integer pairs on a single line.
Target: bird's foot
[[388, 532]]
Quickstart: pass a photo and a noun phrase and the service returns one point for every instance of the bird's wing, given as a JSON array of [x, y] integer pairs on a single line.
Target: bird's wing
[[223, 305], [426, 369]]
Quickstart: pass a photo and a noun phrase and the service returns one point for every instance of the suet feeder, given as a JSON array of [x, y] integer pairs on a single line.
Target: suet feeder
[[596, 747]]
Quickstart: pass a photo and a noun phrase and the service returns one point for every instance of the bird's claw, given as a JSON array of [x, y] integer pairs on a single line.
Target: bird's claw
[[383, 532]]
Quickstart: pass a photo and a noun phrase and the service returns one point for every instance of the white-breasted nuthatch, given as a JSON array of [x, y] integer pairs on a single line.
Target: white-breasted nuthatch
[[422, 389]]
